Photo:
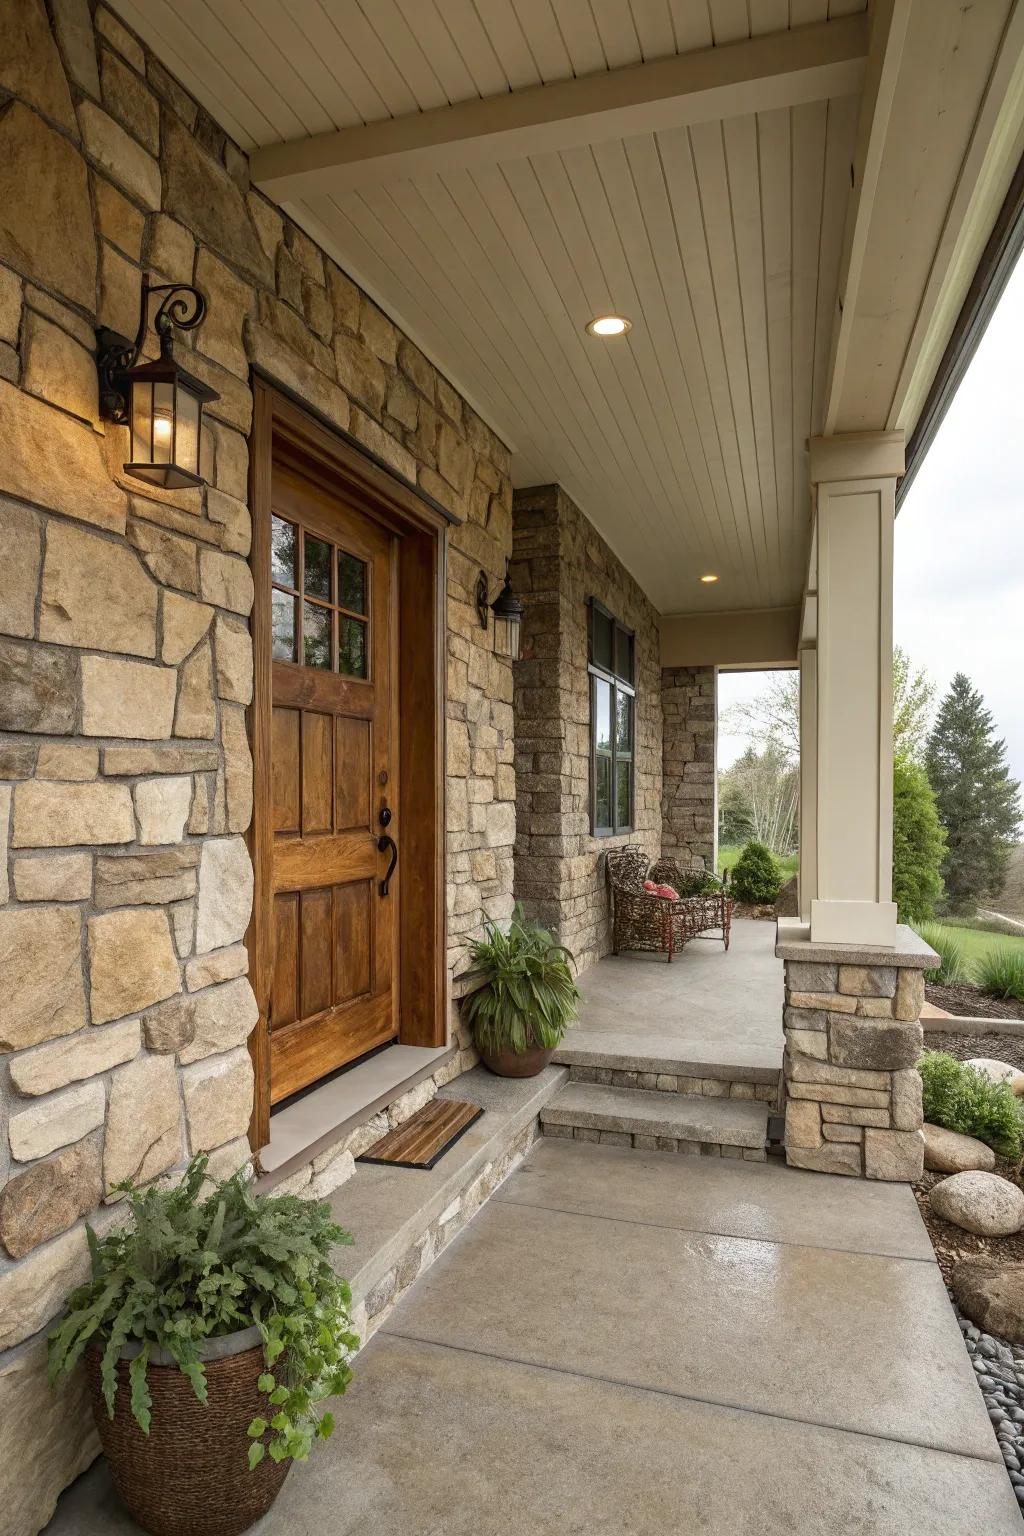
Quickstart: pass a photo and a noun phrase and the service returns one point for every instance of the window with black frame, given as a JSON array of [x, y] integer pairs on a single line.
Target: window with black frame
[[612, 722]]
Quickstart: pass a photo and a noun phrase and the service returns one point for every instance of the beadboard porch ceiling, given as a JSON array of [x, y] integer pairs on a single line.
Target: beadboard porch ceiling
[[498, 172]]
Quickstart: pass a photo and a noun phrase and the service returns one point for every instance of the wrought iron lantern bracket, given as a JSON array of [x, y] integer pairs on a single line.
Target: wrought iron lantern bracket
[[183, 308]]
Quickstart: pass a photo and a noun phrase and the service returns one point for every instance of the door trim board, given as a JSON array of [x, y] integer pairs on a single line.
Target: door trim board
[[283, 430]]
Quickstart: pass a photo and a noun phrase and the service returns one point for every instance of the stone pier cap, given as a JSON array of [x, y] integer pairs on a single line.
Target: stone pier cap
[[793, 942]]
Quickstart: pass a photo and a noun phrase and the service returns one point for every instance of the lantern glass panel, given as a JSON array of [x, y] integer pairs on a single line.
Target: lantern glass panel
[[506, 635], [186, 436], [163, 422], [142, 421]]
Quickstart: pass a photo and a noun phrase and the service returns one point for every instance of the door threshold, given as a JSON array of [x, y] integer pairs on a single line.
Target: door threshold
[[315, 1121]]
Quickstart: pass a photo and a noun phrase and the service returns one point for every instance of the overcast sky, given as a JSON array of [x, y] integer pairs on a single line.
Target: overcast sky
[[959, 580]]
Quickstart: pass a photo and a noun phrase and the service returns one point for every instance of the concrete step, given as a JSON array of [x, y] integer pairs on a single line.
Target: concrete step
[[401, 1218], [658, 1121]]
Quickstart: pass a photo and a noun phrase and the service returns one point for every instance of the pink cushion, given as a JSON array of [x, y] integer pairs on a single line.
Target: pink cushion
[[668, 892], [649, 885]]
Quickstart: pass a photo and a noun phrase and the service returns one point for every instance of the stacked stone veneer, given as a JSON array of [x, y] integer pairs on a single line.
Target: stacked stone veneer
[[126, 661], [853, 1093], [559, 563], [688, 797]]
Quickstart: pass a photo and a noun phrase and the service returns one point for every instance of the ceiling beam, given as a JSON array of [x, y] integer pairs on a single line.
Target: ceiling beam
[[781, 69], [888, 34]]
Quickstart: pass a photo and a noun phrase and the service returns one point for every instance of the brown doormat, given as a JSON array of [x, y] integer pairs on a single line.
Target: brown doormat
[[426, 1136]]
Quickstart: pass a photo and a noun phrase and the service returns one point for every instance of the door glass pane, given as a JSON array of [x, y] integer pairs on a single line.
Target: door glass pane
[[623, 722], [317, 573], [282, 552], [351, 582], [602, 638], [351, 647], [624, 655], [622, 807], [602, 723], [282, 626], [602, 792], [316, 635]]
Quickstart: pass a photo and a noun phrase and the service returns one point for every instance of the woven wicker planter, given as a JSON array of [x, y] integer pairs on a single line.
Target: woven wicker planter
[[190, 1476]]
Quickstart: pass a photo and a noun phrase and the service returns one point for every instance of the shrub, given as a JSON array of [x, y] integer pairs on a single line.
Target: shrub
[[918, 842], [528, 995], [962, 1099], [1000, 972], [756, 878], [953, 970], [185, 1269]]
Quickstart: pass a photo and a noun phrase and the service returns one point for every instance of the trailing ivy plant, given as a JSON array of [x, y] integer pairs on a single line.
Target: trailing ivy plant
[[527, 996], [188, 1267]]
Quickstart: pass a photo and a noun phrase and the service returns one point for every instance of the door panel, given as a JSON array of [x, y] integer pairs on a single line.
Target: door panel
[[333, 768]]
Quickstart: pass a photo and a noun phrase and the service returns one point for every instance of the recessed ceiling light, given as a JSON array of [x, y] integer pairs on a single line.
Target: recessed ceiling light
[[709, 578], [609, 325]]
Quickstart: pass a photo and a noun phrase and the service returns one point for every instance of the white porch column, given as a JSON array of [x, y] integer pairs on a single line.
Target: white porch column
[[808, 876], [854, 481]]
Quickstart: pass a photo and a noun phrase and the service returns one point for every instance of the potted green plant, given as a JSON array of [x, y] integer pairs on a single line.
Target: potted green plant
[[526, 998], [212, 1329]]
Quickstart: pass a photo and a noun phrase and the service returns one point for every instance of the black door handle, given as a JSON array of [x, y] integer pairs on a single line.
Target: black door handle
[[383, 843]]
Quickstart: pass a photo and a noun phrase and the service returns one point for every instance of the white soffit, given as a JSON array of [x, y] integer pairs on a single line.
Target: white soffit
[[492, 218]]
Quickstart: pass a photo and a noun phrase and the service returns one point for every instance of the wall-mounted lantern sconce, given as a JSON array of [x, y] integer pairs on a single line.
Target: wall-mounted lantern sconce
[[508, 615], [161, 403]]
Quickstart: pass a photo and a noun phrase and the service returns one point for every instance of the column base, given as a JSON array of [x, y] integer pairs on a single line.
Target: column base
[[853, 922], [853, 1036]]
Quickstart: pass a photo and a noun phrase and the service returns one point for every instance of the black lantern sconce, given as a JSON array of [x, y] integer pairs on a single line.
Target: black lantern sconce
[[160, 402], [508, 615]]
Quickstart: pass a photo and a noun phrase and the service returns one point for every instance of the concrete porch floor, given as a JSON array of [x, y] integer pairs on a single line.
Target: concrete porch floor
[[709, 1010], [649, 1344]]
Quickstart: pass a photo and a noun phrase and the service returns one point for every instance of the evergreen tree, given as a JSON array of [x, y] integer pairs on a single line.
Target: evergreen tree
[[977, 800], [918, 843]]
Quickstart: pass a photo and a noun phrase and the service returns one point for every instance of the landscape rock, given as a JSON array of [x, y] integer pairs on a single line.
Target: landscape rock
[[131, 962], [991, 1294], [42, 995], [998, 1071], [50, 1196], [982, 1203], [950, 1152]]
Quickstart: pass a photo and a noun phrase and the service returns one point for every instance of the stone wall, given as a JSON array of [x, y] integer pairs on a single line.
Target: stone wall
[[688, 797], [559, 562], [126, 662], [853, 1036]]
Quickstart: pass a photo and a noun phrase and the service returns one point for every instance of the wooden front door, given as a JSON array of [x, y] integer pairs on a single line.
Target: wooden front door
[[333, 781]]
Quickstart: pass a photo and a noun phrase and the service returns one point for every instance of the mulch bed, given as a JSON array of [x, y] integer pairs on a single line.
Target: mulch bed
[[1008, 1048], [952, 1243], [970, 1003]]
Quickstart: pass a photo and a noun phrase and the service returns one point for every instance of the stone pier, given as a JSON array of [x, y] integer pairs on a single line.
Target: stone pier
[[853, 1036]]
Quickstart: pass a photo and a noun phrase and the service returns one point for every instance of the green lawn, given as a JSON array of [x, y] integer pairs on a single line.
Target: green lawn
[[729, 853], [975, 943]]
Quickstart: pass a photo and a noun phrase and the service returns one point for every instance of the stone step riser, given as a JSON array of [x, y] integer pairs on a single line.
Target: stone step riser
[[670, 1082], [674, 1117], [642, 1143]]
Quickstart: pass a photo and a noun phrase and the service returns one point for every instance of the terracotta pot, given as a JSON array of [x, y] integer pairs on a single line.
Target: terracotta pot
[[190, 1475], [510, 1064]]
